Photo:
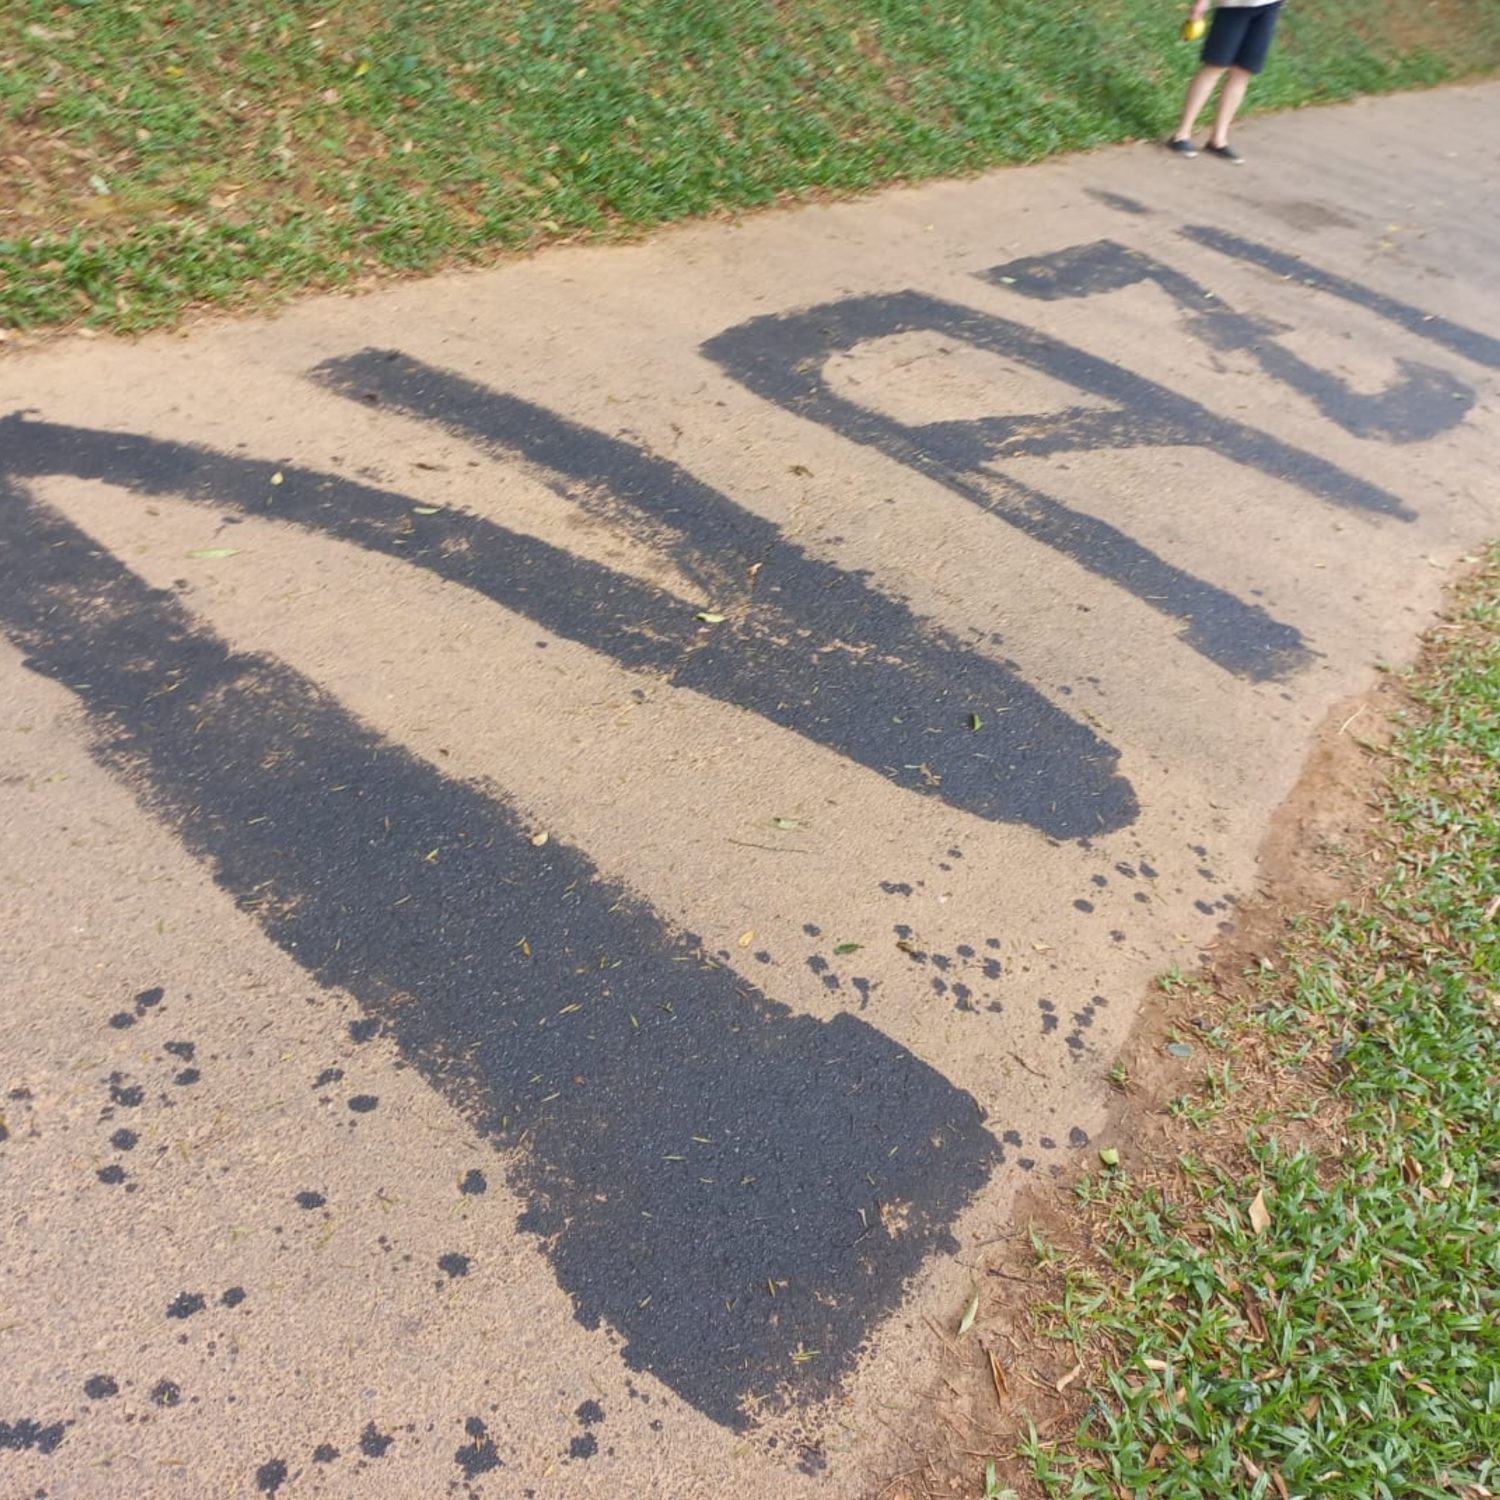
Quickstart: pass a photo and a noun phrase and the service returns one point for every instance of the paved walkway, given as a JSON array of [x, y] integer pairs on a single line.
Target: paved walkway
[[571, 835]]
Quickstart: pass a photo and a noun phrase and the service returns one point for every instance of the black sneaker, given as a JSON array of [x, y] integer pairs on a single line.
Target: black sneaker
[[1225, 153], [1183, 148]]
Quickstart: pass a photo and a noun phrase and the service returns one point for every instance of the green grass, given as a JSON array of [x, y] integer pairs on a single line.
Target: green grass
[[1351, 1348], [168, 153]]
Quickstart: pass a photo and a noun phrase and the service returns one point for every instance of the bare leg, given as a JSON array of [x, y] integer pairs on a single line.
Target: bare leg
[[1230, 99], [1197, 96]]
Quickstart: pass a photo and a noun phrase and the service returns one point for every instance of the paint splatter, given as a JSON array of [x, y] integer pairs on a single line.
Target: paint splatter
[[26, 1433], [186, 1304], [373, 1444], [127, 1096], [454, 1264], [100, 1387], [474, 1183], [478, 1455], [270, 1476]]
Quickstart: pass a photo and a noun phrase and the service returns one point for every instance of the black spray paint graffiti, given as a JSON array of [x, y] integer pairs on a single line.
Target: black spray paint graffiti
[[727, 1185], [806, 645], [1470, 343], [813, 649], [783, 357], [1422, 402]]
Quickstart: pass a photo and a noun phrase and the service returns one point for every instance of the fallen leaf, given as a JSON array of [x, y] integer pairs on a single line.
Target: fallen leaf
[[970, 1313], [709, 617], [801, 471], [1260, 1215], [847, 947], [1179, 1049], [1068, 1379], [1110, 1157], [1253, 1317], [278, 477], [746, 937], [997, 1376], [539, 838], [975, 722], [215, 552], [787, 824], [425, 510]]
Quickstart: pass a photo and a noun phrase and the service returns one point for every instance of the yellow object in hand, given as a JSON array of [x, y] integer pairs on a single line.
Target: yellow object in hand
[[1193, 30]]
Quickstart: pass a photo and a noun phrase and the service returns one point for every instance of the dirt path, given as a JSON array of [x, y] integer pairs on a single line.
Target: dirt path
[[571, 834]]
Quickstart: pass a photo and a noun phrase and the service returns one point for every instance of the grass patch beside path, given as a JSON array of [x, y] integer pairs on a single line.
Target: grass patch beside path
[[1300, 1295], [168, 153]]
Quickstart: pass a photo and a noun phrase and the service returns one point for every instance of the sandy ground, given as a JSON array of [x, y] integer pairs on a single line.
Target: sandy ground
[[571, 834]]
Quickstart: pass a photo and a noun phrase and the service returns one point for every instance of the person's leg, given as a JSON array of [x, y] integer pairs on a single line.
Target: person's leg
[[1231, 96], [1197, 96], [1249, 58]]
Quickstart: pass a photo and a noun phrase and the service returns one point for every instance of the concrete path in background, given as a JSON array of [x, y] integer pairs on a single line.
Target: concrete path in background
[[572, 834]]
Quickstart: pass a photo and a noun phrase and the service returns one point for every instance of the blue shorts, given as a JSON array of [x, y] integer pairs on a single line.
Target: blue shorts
[[1241, 36]]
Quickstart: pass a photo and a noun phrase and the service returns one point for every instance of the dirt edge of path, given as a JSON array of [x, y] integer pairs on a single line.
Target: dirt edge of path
[[1003, 1377]]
